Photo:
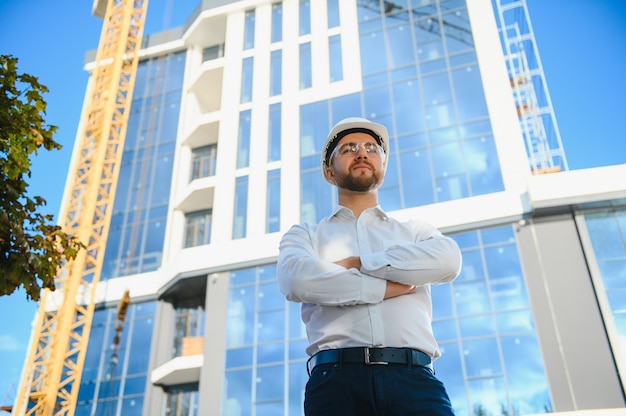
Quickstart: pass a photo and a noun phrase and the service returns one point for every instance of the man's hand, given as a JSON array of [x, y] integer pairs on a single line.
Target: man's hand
[[397, 289], [353, 262]]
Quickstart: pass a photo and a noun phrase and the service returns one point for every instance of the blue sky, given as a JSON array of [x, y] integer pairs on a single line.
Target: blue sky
[[582, 45]]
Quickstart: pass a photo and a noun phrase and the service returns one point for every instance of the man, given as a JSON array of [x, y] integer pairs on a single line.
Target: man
[[364, 280]]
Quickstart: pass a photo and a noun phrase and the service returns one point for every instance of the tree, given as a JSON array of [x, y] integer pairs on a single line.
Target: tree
[[32, 247]]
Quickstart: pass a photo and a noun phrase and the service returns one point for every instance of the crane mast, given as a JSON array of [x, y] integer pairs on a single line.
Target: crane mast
[[55, 359]]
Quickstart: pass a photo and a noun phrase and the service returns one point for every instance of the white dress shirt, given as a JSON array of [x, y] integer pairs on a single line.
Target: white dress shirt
[[345, 307]]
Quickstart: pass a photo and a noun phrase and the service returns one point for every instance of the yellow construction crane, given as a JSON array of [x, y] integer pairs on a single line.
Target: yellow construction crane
[[54, 363]]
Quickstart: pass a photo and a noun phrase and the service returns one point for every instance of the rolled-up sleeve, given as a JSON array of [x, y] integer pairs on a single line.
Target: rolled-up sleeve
[[303, 277]]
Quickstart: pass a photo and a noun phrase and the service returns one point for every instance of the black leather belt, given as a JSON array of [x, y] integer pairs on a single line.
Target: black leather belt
[[371, 356]]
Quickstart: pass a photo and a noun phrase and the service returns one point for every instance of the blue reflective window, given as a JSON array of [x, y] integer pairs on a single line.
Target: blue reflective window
[[436, 89], [305, 17], [274, 133], [314, 126], [483, 165], [417, 179], [243, 140], [271, 333], [134, 385], [240, 317], [237, 393], [276, 72], [371, 59], [343, 106], [256, 345], [457, 31], [401, 45], [390, 196], [316, 197], [248, 31], [270, 352], [268, 386], [241, 207], [408, 107], [131, 406], [273, 201], [306, 70], [607, 232], [136, 237], [482, 358], [433, 166], [332, 6], [243, 277], [277, 22], [484, 328], [298, 379], [468, 90], [334, 51], [527, 388], [268, 408], [377, 101], [246, 79], [102, 377]]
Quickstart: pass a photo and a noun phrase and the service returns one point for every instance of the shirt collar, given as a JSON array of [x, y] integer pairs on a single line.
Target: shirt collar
[[377, 210]]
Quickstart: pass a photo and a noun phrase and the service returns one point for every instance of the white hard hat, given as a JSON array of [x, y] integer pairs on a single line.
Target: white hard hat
[[354, 125]]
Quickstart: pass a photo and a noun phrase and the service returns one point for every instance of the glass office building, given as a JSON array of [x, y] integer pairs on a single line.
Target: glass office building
[[228, 118]]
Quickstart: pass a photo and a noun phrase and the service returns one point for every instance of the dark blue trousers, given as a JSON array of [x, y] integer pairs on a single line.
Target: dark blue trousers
[[350, 389]]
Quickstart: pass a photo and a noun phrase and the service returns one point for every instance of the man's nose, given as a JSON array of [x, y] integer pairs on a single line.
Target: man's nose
[[361, 152]]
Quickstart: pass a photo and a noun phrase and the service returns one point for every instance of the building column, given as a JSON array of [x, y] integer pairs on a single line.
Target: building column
[[579, 362]]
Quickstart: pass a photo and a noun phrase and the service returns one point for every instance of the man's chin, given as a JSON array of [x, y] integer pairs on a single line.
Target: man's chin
[[362, 184]]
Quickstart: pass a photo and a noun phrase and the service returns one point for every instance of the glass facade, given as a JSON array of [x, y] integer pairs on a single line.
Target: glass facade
[[483, 322], [265, 339], [115, 378], [136, 236], [430, 96], [607, 232]]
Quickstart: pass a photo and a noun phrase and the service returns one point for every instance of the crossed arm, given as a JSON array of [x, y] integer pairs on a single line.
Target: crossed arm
[[392, 289], [303, 277]]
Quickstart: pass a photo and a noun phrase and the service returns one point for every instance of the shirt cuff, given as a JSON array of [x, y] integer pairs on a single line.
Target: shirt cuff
[[375, 264], [373, 289]]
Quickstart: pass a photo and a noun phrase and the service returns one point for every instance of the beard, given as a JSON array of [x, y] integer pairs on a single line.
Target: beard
[[358, 182]]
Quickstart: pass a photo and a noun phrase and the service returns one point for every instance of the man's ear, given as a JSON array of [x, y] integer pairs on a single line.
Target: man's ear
[[330, 175]]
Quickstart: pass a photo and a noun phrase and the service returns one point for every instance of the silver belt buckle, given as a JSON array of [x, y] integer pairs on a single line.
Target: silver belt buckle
[[367, 357]]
